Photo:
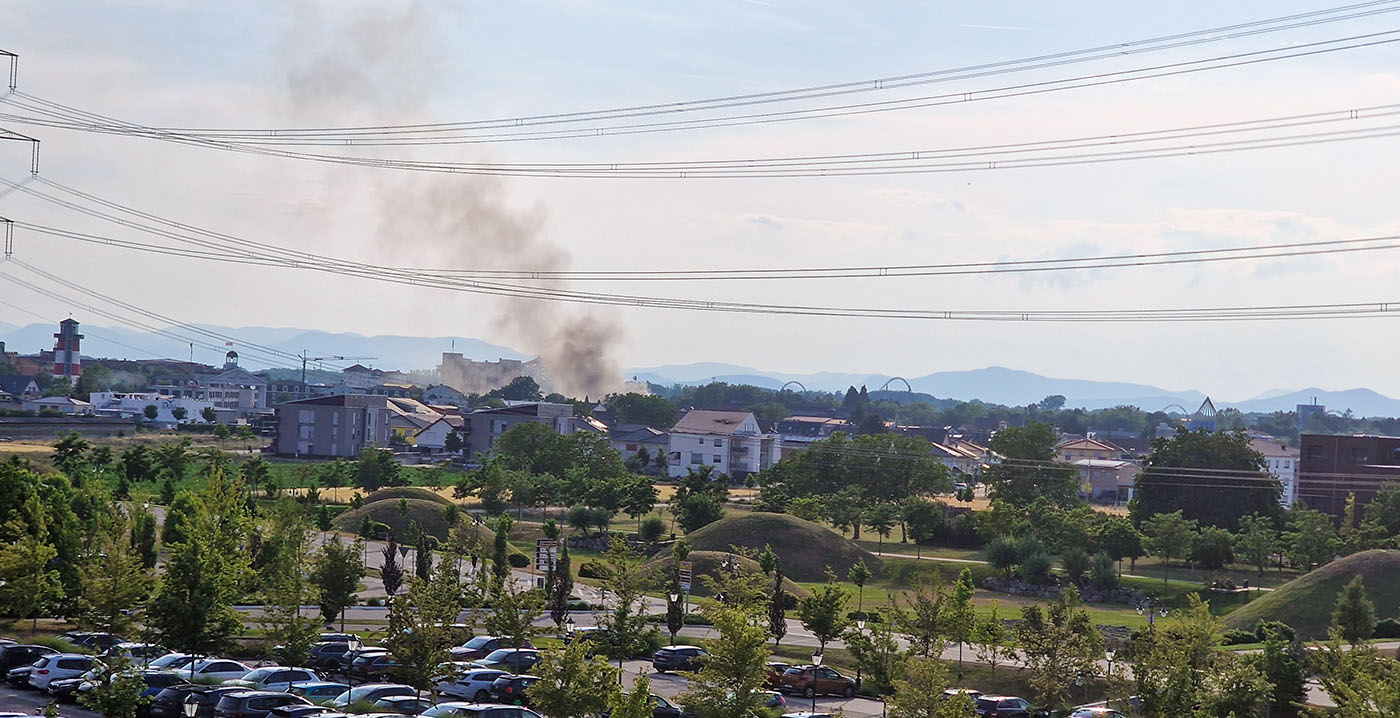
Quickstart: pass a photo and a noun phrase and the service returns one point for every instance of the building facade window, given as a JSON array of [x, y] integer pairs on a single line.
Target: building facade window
[[697, 458], [718, 459]]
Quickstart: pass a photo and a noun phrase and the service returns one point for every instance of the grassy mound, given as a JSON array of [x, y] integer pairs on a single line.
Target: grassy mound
[[1305, 603], [707, 562], [407, 492], [428, 514], [805, 548]]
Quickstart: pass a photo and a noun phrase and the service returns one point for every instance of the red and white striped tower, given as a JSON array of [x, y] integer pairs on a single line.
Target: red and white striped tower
[[67, 360]]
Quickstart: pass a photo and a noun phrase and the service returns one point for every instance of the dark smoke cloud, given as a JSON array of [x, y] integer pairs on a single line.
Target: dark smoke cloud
[[378, 64]]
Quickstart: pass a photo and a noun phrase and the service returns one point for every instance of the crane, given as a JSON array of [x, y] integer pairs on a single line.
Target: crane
[[304, 359]]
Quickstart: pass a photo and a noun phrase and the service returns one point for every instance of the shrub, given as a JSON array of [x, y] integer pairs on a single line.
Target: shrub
[[651, 529], [1263, 628], [1001, 554], [1101, 572], [518, 560], [1236, 636], [1036, 568], [1028, 546], [1076, 563], [1387, 628], [590, 569]]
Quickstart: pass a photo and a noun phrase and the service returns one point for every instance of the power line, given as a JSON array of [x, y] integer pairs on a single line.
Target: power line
[[879, 84]]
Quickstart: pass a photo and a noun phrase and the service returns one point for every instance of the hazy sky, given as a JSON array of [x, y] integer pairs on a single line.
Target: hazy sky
[[279, 63]]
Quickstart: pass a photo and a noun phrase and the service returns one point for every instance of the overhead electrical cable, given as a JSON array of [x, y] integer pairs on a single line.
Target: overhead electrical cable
[[216, 246], [366, 134]]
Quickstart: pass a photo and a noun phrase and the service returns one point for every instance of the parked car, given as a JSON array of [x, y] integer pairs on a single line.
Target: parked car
[[318, 691], [18, 676], [373, 666], [169, 702], [662, 708], [58, 666], [515, 660], [1004, 707], [678, 658], [254, 704], [817, 680], [474, 685], [371, 692], [511, 689], [974, 695], [14, 655], [402, 705], [774, 702], [93, 640], [205, 698], [327, 654], [775, 673], [139, 654], [170, 662], [481, 646], [302, 712], [218, 669], [347, 659], [351, 638], [456, 709], [1096, 712], [274, 678]]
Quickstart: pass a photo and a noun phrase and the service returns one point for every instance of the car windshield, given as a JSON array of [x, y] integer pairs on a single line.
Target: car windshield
[[449, 712], [477, 643], [499, 655], [260, 673]]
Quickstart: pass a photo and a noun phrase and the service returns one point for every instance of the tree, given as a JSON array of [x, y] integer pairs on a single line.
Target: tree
[[699, 499], [116, 694], [962, 615], [500, 558], [625, 580], [1168, 537], [1257, 541], [1354, 616], [30, 586], [1030, 471], [881, 519], [453, 443], [919, 693], [376, 468], [69, 454], [143, 538], [646, 409], [777, 607], [995, 643], [390, 572], [285, 553], [1101, 574], [336, 572], [113, 585], [521, 388], [1283, 665], [563, 586], [179, 413], [423, 557], [824, 611], [859, 575], [1212, 549], [923, 519], [1003, 556], [571, 684], [173, 457], [206, 574], [1178, 672], [1059, 643], [732, 682], [61, 386], [151, 411], [137, 464], [1311, 539], [636, 703], [513, 612], [924, 620], [419, 623], [1075, 562], [1360, 681], [95, 377], [1168, 483], [208, 414], [1118, 536]]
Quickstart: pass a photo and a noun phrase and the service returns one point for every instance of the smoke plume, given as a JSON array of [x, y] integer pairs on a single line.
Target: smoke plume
[[379, 65]]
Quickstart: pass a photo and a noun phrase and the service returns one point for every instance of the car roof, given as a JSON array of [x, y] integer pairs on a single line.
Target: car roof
[[678, 646]]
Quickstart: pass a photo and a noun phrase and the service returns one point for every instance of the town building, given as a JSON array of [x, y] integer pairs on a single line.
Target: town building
[[338, 425], [1087, 448], [798, 432], [65, 404], [234, 391], [67, 357], [629, 439], [1107, 480], [486, 426], [480, 377], [730, 441], [1282, 462], [20, 387], [443, 394], [433, 437], [1332, 467], [1205, 417], [132, 405]]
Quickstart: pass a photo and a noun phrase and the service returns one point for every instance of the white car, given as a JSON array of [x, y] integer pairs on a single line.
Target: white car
[[170, 662], [58, 667], [274, 678], [473, 685], [458, 709], [133, 653], [215, 669]]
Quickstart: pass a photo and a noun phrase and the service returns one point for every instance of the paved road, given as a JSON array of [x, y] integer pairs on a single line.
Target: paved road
[[15, 699]]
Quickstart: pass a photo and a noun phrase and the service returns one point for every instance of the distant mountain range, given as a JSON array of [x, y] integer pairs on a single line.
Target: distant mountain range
[[996, 385]]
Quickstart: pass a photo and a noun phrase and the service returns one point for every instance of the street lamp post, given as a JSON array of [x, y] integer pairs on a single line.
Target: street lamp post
[[816, 663], [675, 598], [569, 626], [860, 629], [1108, 654]]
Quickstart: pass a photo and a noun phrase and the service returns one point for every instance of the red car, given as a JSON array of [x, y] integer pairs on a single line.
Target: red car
[[775, 674], [817, 680]]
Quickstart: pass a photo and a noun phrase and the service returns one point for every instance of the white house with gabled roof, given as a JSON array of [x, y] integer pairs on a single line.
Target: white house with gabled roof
[[730, 441]]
